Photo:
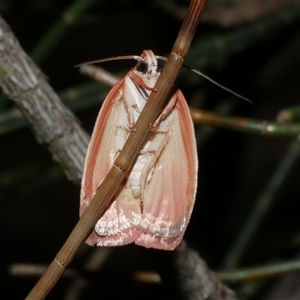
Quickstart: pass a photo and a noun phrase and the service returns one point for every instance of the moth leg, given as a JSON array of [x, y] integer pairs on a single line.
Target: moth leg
[[129, 107], [139, 81], [169, 107]]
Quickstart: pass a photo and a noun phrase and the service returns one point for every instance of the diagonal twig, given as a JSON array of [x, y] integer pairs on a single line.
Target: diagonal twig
[[52, 123]]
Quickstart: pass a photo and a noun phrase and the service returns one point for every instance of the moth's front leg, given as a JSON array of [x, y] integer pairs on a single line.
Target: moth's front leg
[[166, 111], [129, 96]]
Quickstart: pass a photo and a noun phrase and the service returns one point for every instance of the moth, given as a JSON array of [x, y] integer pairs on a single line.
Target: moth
[[154, 203]]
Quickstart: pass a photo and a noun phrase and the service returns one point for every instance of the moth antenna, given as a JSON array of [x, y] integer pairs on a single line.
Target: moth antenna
[[136, 57], [218, 84], [210, 79]]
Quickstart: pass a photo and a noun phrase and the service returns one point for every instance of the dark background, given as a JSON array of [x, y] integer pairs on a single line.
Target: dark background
[[255, 53]]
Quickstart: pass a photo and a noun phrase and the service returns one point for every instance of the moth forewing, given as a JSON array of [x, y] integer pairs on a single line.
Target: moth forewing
[[153, 204]]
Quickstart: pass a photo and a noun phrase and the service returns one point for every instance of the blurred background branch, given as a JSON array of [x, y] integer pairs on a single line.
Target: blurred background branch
[[51, 122]]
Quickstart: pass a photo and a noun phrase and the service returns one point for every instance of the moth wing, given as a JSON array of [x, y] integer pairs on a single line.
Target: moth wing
[[168, 198], [108, 138], [102, 141], [170, 195]]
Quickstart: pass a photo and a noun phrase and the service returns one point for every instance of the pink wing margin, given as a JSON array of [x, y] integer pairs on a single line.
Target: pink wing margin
[[87, 185]]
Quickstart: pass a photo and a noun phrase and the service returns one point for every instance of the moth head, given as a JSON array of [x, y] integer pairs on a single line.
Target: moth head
[[147, 64]]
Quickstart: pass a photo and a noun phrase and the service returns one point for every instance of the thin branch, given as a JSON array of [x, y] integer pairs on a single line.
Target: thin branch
[[260, 272], [266, 128]]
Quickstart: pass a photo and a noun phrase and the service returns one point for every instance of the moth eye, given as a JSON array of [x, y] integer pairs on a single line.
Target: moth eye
[[142, 66]]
